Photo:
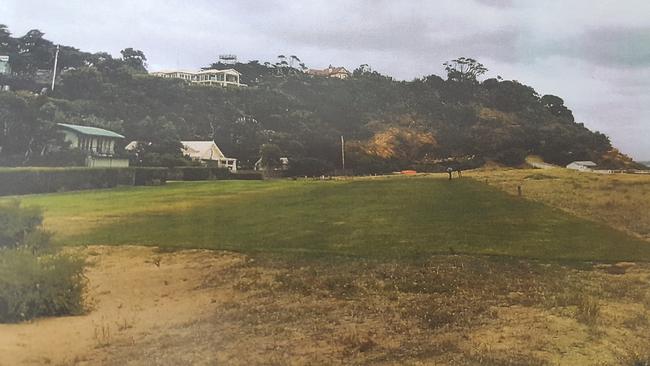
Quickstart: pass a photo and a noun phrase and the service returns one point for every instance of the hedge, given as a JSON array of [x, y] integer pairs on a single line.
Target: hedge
[[16, 181], [192, 173]]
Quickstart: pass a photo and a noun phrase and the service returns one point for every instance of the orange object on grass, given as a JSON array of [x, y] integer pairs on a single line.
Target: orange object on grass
[[408, 172]]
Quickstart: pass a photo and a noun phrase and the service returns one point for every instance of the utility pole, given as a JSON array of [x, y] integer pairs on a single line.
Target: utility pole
[[342, 152], [56, 61]]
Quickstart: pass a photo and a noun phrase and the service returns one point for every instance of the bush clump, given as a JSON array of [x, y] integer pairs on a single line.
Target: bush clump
[[35, 278]]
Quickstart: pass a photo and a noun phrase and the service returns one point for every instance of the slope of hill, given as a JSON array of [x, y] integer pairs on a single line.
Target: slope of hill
[[425, 124]]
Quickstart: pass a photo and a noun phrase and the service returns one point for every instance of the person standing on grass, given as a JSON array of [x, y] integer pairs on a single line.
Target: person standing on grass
[[449, 171], [460, 172]]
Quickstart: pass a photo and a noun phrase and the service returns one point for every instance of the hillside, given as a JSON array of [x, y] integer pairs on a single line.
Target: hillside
[[426, 124]]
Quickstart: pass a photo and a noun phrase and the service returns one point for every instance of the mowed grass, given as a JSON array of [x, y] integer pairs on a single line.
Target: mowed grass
[[396, 218]]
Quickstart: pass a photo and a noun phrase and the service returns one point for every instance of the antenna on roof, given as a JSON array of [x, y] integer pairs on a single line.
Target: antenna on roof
[[228, 59]]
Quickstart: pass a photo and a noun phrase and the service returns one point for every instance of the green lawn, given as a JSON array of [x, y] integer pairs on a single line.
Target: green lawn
[[383, 218]]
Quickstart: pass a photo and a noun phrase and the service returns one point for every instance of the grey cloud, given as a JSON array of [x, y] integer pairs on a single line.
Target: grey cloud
[[619, 46], [496, 3]]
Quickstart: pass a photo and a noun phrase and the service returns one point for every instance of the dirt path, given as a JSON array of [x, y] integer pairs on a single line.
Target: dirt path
[[134, 292]]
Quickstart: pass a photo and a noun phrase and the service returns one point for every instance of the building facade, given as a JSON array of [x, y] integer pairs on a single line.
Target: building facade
[[208, 151], [213, 77], [5, 68], [97, 143], [331, 72]]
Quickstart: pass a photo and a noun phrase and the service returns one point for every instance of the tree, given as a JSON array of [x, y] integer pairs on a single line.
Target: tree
[[35, 52], [555, 105], [464, 69], [5, 39], [160, 144], [81, 83], [135, 59], [270, 156]]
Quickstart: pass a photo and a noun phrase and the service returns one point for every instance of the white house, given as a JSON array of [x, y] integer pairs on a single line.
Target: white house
[[98, 143], [331, 72], [208, 151], [177, 74], [228, 77], [4, 65], [585, 166]]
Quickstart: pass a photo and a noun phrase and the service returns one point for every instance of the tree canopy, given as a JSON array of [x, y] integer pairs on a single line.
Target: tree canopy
[[389, 124]]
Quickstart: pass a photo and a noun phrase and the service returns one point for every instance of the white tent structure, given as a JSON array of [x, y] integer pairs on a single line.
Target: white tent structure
[[208, 151], [584, 166]]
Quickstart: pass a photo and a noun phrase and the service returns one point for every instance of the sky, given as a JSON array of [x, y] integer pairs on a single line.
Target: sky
[[595, 54]]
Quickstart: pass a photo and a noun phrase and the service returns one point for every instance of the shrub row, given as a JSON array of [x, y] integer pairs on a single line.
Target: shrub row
[[16, 181], [192, 173]]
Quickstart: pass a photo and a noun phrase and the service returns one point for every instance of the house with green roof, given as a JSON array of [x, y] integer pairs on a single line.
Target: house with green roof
[[97, 143]]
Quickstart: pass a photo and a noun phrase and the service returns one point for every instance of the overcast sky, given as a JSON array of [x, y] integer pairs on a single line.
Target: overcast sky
[[593, 53]]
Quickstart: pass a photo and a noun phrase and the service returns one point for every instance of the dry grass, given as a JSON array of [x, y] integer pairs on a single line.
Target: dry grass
[[618, 200], [203, 308], [444, 310]]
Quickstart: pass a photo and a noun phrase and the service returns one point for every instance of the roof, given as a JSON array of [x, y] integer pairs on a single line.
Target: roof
[[205, 150], [91, 131], [172, 72], [331, 70], [585, 163], [215, 71]]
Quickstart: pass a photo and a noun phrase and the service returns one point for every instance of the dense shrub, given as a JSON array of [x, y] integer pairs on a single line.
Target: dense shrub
[[309, 167], [35, 280], [511, 157], [17, 224], [247, 175], [148, 176], [39, 285]]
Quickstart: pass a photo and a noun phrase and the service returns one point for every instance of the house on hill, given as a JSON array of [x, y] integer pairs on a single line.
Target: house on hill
[[213, 77], [208, 151], [331, 72], [97, 143], [5, 69]]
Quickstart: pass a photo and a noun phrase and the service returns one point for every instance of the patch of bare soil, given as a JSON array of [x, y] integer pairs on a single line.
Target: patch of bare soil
[[204, 307]]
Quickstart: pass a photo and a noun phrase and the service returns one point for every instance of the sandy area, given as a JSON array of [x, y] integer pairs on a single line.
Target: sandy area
[[134, 292], [199, 307]]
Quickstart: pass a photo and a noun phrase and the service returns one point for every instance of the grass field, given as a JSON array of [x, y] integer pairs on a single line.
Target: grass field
[[381, 218], [621, 201], [382, 271]]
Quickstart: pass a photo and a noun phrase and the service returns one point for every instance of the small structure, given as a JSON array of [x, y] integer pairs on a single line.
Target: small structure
[[208, 151], [331, 72], [584, 166], [98, 143], [228, 77], [5, 68], [284, 165]]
